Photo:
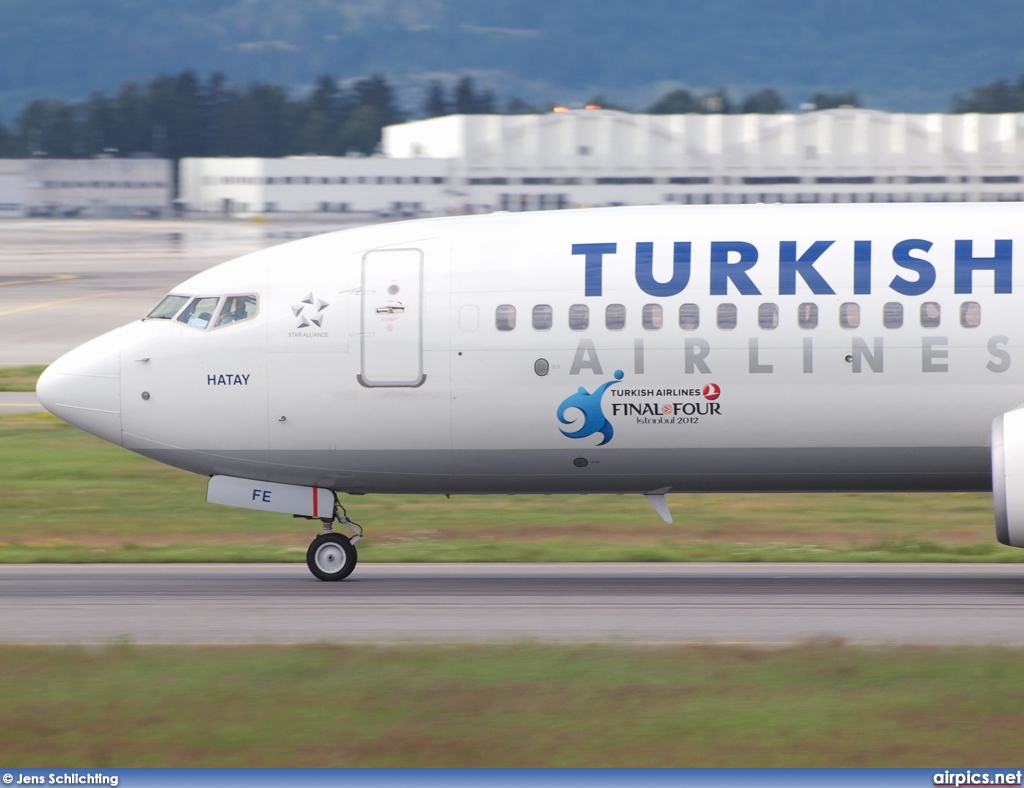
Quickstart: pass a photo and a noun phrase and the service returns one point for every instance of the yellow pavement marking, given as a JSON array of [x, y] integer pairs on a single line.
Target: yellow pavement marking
[[56, 303], [80, 298], [39, 280], [20, 405]]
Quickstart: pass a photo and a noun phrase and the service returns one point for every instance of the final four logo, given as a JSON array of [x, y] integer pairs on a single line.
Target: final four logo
[[666, 407], [594, 420]]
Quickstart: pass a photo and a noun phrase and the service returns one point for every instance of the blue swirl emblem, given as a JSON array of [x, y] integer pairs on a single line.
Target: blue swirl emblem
[[594, 420]]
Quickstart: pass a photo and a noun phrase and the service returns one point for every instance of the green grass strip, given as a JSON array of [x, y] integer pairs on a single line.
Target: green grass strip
[[69, 497], [469, 551], [817, 704], [20, 378]]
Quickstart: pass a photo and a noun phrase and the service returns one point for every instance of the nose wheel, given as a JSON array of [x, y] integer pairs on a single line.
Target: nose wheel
[[332, 556]]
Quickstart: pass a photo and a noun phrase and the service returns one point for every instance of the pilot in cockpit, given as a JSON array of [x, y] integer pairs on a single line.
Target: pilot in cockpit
[[236, 308], [199, 312]]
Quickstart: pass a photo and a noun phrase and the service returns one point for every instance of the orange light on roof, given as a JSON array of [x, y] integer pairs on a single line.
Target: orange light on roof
[[592, 106], [559, 109]]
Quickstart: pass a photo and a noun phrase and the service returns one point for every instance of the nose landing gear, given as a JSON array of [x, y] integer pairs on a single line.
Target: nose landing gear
[[332, 556]]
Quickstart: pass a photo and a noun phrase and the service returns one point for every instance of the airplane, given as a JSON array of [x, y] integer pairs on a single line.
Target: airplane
[[630, 350]]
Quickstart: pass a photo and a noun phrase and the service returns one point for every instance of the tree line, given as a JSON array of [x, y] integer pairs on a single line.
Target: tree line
[[173, 116], [176, 116]]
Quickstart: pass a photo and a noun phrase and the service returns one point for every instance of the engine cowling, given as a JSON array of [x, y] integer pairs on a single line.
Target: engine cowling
[[1008, 477]]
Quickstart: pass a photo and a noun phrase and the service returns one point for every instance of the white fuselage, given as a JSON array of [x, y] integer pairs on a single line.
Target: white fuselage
[[668, 349]]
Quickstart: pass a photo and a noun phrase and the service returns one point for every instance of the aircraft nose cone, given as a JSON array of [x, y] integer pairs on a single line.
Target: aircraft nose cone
[[83, 387]]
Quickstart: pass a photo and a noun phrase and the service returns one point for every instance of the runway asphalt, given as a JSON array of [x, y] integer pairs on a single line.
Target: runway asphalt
[[762, 604]]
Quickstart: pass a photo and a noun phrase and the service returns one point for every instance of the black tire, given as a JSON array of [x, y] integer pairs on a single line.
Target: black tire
[[331, 557]]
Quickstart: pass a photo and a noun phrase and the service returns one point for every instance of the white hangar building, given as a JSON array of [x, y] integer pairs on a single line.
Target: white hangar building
[[477, 163], [101, 187], [316, 184]]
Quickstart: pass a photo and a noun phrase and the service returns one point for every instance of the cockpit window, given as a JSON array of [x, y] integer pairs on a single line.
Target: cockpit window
[[235, 309], [200, 312], [168, 308]]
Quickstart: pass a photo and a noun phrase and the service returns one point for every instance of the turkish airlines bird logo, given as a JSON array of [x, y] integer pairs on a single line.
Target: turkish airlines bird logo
[[594, 420], [310, 311], [711, 392]]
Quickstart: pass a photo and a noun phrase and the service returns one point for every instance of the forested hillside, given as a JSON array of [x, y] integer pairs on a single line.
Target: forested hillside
[[183, 115], [910, 55]]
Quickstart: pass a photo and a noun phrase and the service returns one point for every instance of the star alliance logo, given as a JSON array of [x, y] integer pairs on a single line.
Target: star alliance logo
[[594, 420], [310, 311]]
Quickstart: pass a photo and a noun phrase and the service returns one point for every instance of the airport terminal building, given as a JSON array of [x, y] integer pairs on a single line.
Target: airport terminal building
[[597, 157]]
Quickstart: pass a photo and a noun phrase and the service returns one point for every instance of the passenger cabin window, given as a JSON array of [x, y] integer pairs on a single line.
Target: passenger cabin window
[[970, 314], [199, 313], [236, 309], [807, 315], [579, 317], [849, 315], [892, 315], [615, 317], [651, 317], [543, 316], [505, 317], [727, 316], [168, 308], [768, 316], [931, 315], [689, 317]]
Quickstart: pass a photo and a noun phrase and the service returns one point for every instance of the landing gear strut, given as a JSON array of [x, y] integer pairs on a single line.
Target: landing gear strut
[[332, 556]]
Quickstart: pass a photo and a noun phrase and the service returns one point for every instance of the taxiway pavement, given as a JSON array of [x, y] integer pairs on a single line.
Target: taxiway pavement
[[611, 603], [19, 402], [63, 281]]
